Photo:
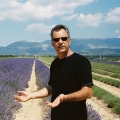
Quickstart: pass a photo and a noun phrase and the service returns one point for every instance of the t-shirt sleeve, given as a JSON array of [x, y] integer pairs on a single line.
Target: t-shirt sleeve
[[84, 71]]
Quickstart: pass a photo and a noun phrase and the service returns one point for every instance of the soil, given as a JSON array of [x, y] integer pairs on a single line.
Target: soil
[[106, 76], [102, 110], [113, 90], [36, 109], [33, 109]]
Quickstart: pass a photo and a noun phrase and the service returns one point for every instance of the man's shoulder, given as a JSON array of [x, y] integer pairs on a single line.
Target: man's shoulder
[[55, 60], [80, 58]]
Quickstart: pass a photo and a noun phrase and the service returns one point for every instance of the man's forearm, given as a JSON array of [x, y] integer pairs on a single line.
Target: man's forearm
[[84, 93], [44, 92]]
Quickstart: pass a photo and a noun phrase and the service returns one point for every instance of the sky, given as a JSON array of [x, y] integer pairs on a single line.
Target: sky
[[32, 20]]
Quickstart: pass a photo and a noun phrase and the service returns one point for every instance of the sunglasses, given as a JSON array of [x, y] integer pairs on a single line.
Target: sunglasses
[[62, 38]]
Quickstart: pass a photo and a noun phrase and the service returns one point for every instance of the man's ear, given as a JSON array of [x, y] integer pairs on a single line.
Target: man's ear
[[69, 41]]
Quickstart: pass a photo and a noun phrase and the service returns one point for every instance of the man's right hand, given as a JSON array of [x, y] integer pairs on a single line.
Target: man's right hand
[[23, 97]]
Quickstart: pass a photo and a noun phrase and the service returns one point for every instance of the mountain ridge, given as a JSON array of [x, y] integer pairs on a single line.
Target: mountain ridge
[[92, 46]]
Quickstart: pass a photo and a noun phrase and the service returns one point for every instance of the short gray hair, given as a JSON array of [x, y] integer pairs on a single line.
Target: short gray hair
[[59, 27]]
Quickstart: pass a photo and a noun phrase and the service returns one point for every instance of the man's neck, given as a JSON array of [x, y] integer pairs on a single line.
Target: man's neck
[[64, 54]]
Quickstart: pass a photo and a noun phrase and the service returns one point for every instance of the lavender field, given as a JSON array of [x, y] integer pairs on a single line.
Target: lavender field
[[14, 75]]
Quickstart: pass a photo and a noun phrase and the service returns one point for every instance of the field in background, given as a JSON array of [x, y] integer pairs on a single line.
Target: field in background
[[107, 73], [15, 75], [102, 72]]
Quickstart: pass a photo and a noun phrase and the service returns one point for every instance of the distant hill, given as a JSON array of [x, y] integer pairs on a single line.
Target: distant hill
[[107, 46]]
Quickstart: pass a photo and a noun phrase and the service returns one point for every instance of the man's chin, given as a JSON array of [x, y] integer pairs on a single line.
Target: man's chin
[[62, 51]]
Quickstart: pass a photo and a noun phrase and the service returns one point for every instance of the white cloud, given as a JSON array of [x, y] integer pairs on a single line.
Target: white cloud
[[34, 41], [40, 28], [69, 17], [89, 20], [37, 9], [21, 12], [113, 16], [117, 31], [64, 3]]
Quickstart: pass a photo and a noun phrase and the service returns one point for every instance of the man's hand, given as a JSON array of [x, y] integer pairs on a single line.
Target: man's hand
[[56, 102], [24, 96]]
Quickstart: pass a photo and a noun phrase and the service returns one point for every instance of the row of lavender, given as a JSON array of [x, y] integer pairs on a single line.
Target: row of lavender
[[14, 75], [42, 76]]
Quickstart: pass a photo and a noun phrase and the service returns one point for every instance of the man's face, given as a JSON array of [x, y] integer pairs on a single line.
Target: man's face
[[61, 45]]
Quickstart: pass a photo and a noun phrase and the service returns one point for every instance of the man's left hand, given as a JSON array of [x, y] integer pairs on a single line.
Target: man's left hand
[[56, 102]]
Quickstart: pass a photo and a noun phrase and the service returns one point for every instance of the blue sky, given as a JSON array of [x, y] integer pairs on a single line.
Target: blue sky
[[32, 20]]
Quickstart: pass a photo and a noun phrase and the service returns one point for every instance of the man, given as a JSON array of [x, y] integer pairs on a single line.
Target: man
[[70, 82]]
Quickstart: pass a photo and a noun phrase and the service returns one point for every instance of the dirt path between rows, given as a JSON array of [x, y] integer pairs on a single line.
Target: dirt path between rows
[[31, 110], [100, 106], [113, 90], [102, 109], [106, 76]]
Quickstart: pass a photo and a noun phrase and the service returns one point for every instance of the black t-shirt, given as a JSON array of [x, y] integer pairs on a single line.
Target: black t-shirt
[[69, 75]]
